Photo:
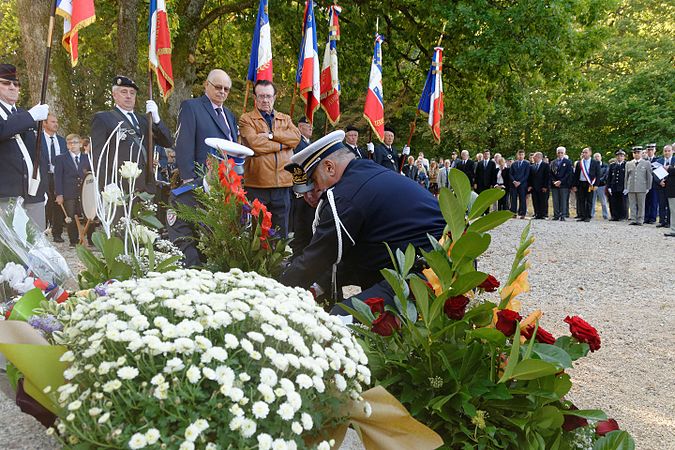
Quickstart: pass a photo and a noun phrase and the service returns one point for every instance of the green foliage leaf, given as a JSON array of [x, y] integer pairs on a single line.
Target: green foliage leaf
[[573, 348], [453, 212], [461, 187], [615, 440], [484, 201], [421, 293], [467, 281], [513, 357], [470, 246], [492, 220], [589, 414], [530, 369], [492, 335], [553, 354]]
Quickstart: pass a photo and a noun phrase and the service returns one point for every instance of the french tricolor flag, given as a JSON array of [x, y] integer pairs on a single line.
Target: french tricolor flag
[[330, 83], [431, 101], [159, 52], [374, 108], [260, 65], [308, 73], [76, 14]]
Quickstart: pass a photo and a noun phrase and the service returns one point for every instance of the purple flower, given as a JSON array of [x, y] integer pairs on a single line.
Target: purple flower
[[245, 211], [46, 324], [101, 288]]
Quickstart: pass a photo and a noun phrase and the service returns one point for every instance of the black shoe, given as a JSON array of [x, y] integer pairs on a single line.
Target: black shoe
[[662, 225], [586, 220], [669, 234], [633, 223], [562, 219], [580, 219], [58, 239], [649, 222]]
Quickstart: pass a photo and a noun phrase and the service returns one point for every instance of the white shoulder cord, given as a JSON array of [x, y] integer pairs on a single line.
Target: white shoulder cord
[[339, 227], [33, 184]]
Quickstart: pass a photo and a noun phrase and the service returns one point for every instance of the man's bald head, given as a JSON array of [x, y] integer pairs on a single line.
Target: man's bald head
[[217, 86]]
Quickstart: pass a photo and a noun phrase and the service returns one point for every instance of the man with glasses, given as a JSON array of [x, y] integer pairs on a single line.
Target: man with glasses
[[134, 130], [198, 119], [272, 136], [17, 149]]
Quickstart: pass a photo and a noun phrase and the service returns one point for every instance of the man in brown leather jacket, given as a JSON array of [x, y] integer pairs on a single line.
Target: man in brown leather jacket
[[272, 136]]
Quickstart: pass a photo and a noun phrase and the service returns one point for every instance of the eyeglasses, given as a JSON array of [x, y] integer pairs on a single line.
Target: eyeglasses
[[8, 82], [218, 87], [265, 96]]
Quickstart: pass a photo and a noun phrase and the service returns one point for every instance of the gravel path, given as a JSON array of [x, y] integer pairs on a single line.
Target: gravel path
[[619, 278]]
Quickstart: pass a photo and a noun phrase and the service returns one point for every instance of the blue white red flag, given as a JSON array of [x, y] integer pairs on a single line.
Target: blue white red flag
[[374, 108], [260, 66], [159, 52], [330, 83], [307, 75], [431, 101], [76, 14]]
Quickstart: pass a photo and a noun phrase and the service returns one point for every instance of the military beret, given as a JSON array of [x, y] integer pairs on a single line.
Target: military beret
[[303, 119], [8, 72], [619, 152], [309, 157], [351, 128], [121, 81], [390, 129]]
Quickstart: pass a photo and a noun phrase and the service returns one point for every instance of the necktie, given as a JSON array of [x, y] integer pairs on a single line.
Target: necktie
[[13, 109], [447, 178], [223, 122], [536, 167], [134, 122], [77, 161], [52, 151]]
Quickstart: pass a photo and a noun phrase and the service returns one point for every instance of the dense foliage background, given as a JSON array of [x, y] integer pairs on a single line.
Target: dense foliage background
[[529, 74]]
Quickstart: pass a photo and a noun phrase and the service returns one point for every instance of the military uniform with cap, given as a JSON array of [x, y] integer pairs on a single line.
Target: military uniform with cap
[[637, 181], [615, 185], [17, 136], [357, 220], [358, 151], [134, 131], [387, 155]]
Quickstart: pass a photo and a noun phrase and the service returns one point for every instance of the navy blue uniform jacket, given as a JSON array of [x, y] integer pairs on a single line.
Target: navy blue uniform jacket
[[67, 177], [562, 170], [197, 121], [63, 148], [375, 205]]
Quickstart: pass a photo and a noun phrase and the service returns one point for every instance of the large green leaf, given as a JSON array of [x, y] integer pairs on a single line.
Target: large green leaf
[[513, 357], [548, 417], [91, 262], [553, 354], [589, 414], [467, 281], [453, 213], [470, 246], [484, 201], [615, 440], [491, 335], [573, 348], [492, 220], [530, 369], [421, 293], [27, 304], [438, 261], [461, 187]]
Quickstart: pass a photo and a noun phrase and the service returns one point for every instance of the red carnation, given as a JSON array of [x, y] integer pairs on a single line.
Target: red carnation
[[573, 422], [507, 321], [455, 307], [385, 323], [583, 332], [605, 426], [542, 336], [490, 284]]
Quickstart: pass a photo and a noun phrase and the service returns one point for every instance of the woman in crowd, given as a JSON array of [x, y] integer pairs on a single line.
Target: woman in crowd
[[433, 177], [422, 177], [503, 182]]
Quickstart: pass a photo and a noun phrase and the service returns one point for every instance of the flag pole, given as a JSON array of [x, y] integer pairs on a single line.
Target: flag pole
[[43, 90], [295, 92], [150, 150], [248, 87]]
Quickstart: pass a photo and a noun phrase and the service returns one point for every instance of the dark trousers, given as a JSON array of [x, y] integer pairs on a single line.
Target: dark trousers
[[72, 206], [519, 199], [651, 205], [540, 202], [277, 201], [561, 202], [181, 233], [53, 212], [503, 203], [584, 200], [664, 209], [617, 205]]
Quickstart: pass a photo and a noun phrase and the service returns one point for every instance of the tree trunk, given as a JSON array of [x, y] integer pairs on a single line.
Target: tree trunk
[[127, 34]]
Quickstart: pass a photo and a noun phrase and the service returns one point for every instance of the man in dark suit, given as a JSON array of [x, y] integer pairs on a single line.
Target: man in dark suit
[[386, 154], [519, 173], [666, 161], [615, 187], [410, 169], [652, 198], [17, 147], [466, 165], [198, 119], [561, 181], [538, 184], [69, 171], [486, 173], [352, 141], [134, 129], [53, 145], [669, 187], [586, 178]]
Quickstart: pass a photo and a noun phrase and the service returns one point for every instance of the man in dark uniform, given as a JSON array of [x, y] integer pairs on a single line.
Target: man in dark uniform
[[134, 129], [296, 193], [198, 119], [306, 130], [358, 219], [615, 187], [538, 184], [386, 154], [352, 141], [17, 149]]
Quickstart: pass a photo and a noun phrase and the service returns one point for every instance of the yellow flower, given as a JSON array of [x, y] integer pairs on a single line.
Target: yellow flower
[[433, 280], [517, 287], [529, 321]]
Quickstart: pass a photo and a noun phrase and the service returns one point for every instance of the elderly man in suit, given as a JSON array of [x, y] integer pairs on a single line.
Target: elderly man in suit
[[385, 154], [669, 186], [444, 174], [519, 173], [53, 145], [561, 181], [17, 147], [198, 119], [586, 178], [486, 173], [637, 182], [666, 161], [466, 165], [69, 171], [538, 184], [134, 130], [352, 141]]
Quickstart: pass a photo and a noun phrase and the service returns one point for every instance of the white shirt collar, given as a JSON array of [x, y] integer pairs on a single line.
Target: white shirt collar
[[123, 110], [7, 105]]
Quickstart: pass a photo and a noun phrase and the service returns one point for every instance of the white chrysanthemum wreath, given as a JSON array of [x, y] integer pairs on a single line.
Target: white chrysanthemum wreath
[[193, 359]]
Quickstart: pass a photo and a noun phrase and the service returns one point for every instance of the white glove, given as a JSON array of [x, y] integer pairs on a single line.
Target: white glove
[[406, 150], [609, 191], [39, 112], [151, 107], [625, 191], [371, 147]]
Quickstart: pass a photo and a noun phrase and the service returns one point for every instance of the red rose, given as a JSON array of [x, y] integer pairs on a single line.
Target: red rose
[[385, 323], [490, 284], [542, 336], [582, 331], [605, 426], [455, 307], [507, 321], [573, 422]]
